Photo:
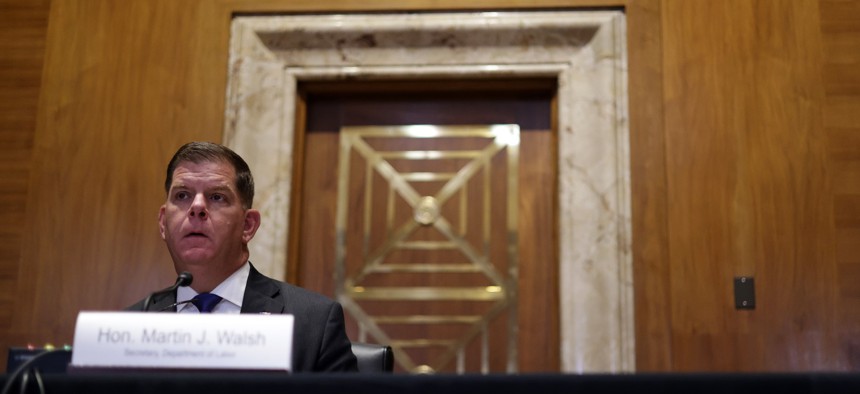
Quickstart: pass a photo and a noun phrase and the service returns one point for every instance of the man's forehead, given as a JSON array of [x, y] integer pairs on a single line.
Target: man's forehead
[[217, 171], [210, 165]]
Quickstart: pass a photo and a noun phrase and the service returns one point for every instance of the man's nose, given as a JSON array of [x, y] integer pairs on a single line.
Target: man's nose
[[198, 207]]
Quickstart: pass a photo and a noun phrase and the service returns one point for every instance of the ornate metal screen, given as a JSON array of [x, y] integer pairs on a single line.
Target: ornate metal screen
[[427, 243]]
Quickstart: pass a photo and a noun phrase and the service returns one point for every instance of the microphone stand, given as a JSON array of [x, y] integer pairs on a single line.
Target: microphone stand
[[176, 304], [184, 279]]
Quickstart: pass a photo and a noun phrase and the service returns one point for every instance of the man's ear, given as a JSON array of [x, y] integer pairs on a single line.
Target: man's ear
[[252, 223], [161, 221]]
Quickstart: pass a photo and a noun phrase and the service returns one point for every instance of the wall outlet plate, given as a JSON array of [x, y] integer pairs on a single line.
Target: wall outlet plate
[[744, 292]]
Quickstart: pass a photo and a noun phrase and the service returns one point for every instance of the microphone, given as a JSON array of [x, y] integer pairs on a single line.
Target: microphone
[[184, 279]]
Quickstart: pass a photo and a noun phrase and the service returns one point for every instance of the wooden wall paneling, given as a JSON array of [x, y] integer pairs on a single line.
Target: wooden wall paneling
[[648, 187], [538, 252], [840, 27], [747, 181], [696, 142], [297, 198], [296, 6], [23, 30], [125, 84]]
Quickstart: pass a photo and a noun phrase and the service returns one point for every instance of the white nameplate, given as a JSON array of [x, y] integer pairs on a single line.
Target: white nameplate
[[183, 341]]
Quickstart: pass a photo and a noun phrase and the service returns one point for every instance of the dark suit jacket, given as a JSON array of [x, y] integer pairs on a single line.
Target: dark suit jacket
[[319, 338]]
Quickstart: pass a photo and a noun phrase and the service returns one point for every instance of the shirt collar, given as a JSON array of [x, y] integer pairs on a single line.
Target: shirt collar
[[231, 289]]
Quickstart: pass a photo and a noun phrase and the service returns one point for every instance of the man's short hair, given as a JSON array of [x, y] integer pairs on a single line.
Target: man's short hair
[[200, 152]]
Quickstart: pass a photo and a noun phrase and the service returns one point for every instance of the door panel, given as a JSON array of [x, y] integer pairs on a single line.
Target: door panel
[[537, 319], [426, 217]]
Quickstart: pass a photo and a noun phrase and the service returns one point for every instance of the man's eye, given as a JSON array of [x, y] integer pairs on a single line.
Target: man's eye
[[217, 197], [181, 195]]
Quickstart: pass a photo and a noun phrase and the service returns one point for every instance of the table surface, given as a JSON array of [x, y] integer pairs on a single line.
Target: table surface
[[246, 382]]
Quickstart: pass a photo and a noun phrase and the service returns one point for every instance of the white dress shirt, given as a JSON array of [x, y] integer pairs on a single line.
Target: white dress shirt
[[231, 290]]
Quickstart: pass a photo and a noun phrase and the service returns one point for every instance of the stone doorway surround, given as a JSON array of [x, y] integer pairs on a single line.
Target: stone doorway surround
[[584, 50]]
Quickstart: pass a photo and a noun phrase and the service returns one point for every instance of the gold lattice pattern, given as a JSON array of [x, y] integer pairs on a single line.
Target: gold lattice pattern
[[427, 242]]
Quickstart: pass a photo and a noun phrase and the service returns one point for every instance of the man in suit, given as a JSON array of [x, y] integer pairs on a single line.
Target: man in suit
[[207, 222]]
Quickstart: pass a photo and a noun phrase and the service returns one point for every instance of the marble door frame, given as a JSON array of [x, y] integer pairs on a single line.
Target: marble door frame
[[584, 50]]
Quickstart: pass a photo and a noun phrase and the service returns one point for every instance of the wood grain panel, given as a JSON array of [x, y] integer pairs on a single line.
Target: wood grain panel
[[840, 26], [844, 144], [840, 111], [126, 84], [269, 6], [410, 103], [648, 187], [23, 30], [847, 240], [747, 181], [847, 207], [846, 176]]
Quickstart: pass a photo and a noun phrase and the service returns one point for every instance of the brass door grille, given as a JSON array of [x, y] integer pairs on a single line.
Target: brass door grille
[[426, 251]]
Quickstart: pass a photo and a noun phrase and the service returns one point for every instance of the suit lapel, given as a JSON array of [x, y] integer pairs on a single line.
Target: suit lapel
[[261, 294], [163, 301]]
